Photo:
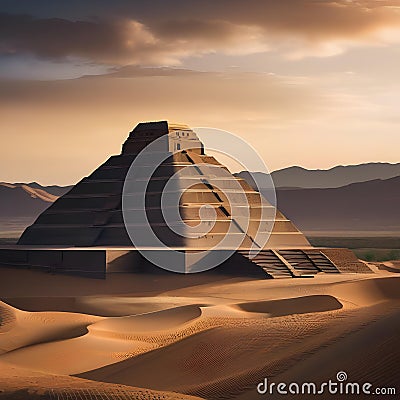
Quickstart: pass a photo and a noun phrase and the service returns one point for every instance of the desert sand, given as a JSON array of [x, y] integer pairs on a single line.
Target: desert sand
[[207, 335]]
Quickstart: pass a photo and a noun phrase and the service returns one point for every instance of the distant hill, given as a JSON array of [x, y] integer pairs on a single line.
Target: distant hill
[[21, 203], [52, 189], [294, 177], [365, 206], [34, 189], [26, 198]]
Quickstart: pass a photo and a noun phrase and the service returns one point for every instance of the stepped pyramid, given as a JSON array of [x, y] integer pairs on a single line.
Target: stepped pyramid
[[90, 214], [85, 231]]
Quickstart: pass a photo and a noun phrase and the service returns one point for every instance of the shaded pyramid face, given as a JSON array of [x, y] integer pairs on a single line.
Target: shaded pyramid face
[[163, 191]]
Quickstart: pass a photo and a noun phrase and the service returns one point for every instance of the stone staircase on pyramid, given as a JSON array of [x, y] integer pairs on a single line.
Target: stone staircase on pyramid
[[270, 262], [291, 263]]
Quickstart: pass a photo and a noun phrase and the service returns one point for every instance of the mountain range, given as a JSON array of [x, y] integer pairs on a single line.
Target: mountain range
[[371, 206], [298, 177]]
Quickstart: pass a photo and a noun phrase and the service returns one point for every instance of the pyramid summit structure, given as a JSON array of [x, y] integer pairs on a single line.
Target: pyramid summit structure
[[96, 225]]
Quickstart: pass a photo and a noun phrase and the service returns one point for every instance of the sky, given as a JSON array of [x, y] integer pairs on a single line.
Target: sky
[[313, 83]]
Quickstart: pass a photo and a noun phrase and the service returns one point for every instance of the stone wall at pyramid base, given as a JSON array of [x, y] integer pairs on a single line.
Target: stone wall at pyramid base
[[98, 262]]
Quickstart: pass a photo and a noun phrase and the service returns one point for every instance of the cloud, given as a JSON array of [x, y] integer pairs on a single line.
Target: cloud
[[107, 41], [167, 32], [134, 71], [120, 41]]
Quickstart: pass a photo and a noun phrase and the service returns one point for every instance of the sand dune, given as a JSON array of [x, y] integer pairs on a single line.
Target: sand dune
[[73, 356], [105, 306], [231, 359], [123, 305], [23, 329], [296, 305], [21, 384], [368, 291], [212, 340], [96, 343], [8, 317], [149, 322]]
